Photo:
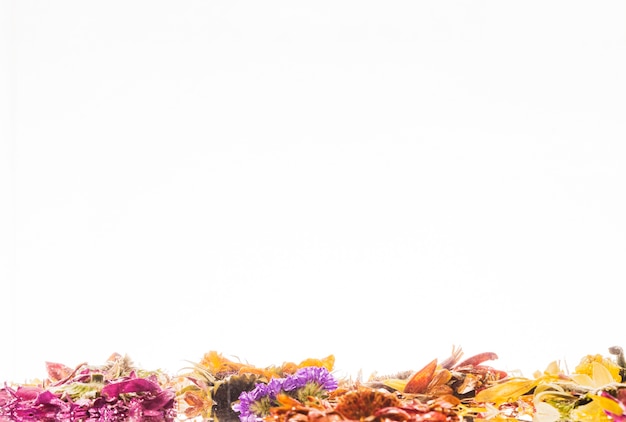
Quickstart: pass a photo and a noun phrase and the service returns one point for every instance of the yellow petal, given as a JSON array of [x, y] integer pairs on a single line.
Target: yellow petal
[[591, 411], [607, 404], [545, 413], [396, 384], [548, 388], [587, 363], [507, 391], [583, 379], [553, 368], [601, 374]]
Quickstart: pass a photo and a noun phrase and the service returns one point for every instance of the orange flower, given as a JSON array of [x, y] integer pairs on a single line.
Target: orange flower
[[363, 403]]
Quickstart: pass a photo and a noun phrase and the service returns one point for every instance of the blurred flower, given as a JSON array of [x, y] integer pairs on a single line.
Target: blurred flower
[[586, 365], [612, 406]]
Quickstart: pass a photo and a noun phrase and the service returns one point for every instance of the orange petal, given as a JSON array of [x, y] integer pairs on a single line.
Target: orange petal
[[328, 362], [192, 400], [440, 378], [419, 381]]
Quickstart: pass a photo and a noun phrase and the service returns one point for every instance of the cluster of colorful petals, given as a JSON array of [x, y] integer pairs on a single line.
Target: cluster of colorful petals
[[220, 367], [318, 377], [89, 394], [209, 388], [595, 391], [222, 390]]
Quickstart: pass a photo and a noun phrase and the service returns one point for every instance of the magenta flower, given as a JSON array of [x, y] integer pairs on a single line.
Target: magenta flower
[[126, 399]]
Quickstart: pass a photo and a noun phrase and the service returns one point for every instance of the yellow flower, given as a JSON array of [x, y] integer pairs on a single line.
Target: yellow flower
[[591, 411], [589, 362]]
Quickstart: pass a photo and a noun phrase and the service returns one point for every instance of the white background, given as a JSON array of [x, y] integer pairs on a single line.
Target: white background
[[277, 180]]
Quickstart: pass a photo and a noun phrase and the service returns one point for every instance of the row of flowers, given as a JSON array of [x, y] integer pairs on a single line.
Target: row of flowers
[[224, 390]]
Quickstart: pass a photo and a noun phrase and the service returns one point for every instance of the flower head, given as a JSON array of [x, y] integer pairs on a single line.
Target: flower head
[[310, 374], [306, 382], [258, 401], [361, 404]]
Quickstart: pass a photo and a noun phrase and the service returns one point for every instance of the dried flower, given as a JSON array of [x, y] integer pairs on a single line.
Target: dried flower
[[90, 394], [306, 382], [258, 401], [315, 380], [363, 403]]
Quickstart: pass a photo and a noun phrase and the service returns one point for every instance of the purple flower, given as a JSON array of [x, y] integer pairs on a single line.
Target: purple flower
[[310, 374], [250, 401], [306, 381]]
